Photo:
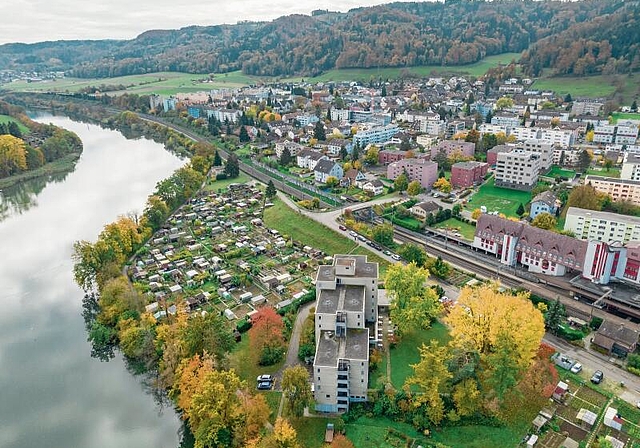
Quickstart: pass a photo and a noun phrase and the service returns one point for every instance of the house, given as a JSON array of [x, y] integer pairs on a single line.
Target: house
[[423, 209], [308, 158], [374, 187], [616, 339], [326, 168], [352, 178], [545, 202]]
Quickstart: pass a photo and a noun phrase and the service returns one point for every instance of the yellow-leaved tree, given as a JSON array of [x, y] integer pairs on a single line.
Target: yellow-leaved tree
[[13, 155]]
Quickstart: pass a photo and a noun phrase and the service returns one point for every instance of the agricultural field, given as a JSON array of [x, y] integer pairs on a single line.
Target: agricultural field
[[498, 199], [8, 119], [583, 86], [365, 74]]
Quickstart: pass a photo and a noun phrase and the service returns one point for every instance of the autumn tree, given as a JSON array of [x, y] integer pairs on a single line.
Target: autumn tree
[[475, 214], [341, 441], [155, 213], [296, 390], [414, 188], [266, 336], [383, 234], [13, 155], [584, 196], [443, 185], [256, 415], [283, 436], [401, 183], [544, 221], [332, 182], [438, 267], [414, 305], [371, 156], [504, 103]]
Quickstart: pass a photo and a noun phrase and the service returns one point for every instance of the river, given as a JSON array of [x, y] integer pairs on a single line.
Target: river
[[52, 393]]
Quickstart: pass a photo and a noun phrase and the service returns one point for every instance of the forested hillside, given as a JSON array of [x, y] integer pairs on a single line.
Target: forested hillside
[[583, 37]]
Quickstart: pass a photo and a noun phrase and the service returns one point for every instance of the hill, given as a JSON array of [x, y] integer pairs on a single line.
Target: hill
[[584, 37]]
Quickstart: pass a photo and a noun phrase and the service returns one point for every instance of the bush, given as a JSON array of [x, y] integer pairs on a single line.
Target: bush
[[221, 176], [595, 323], [569, 334], [633, 360], [243, 325]]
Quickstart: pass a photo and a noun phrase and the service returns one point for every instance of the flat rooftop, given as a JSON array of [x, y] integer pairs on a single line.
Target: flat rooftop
[[344, 297], [363, 268], [331, 348]]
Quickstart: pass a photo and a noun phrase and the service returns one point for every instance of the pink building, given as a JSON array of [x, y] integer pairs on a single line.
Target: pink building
[[422, 170], [386, 156], [468, 174], [492, 154], [451, 147]]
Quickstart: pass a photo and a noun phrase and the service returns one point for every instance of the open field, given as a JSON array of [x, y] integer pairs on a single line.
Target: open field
[[163, 83], [406, 352], [623, 86], [8, 119], [501, 199], [215, 185], [312, 233], [364, 74], [479, 436], [373, 432], [466, 230], [624, 116]]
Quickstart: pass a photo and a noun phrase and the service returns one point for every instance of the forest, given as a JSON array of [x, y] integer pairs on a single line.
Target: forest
[[569, 38]]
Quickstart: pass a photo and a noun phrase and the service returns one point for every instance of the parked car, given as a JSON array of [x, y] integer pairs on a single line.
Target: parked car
[[264, 385], [361, 238], [597, 377], [341, 227], [396, 257], [387, 253], [353, 234], [577, 368], [264, 378]]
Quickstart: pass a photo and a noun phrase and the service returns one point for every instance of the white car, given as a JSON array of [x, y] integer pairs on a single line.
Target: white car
[[576, 368], [396, 257], [264, 378]]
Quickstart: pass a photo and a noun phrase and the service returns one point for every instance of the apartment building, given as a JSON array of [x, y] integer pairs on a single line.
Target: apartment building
[[542, 147], [586, 107], [422, 170], [293, 147], [453, 127], [618, 189], [451, 147], [346, 301], [340, 115], [375, 135], [224, 115], [506, 120], [630, 167], [565, 157], [468, 174], [517, 169], [432, 126], [492, 154], [608, 227], [620, 134]]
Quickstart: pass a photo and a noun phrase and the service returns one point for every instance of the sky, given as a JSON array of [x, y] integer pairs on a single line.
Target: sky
[[41, 20]]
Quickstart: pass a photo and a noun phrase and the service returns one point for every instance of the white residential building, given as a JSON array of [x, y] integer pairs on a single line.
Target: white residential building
[[308, 159], [626, 134], [618, 189], [631, 167], [293, 147], [375, 135], [570, 157], [604, 134], [486, 128], [608, 227], [222, 115], [432, 126], [340, 114], [522, 133], [517, 169], [346, 300], [544, 149]]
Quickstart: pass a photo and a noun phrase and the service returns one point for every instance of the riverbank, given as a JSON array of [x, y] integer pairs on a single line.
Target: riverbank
[[65, 164]]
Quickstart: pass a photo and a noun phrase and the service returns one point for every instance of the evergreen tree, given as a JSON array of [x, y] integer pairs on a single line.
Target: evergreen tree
[[14, 129], [520, 210], [355, 153], [217, 160], [384, 91], [232, 167], [271, 189], [488, 118], [441, 174], [343, 153], [568, 99], [554, 316], [229, 130], [584, 160], [244, 135], [285, 157], [318, 132], [634, 106]]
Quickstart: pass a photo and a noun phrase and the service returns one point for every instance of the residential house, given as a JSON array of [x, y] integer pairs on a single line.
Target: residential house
[[326, 168], [308, 158], [353, 178], [545, 202], [616, 338], [423, 209], [373, 187]]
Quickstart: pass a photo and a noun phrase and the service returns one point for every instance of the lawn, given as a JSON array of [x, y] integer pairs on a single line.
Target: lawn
[[7, 119], [612, 172], [287, 221], [624, 116], [311, 430], [479, 436], [243, 363], [406, 352], [587, 86], [364, 74], [371, 433], [467, 230], [163, 83], [501, 199], [273, 400], [215, 185], [557, 171]]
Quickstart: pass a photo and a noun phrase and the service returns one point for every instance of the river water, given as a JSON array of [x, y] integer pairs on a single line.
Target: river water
[[52, 393]]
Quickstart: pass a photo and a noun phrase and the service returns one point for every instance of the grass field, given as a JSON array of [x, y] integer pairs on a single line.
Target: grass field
[[311, 430], [406, 352], [301, 228], [612, 172], [467, 230], [163, 83], [370, 432], [215, 185], [624, 116], [556, 171], [243, 363], [8, 119], [479, 436], [273, 400], [587, 86], [364, 74], [501, 199]]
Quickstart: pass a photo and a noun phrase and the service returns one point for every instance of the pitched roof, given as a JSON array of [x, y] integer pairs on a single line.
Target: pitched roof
[[610, 332], [428, 206], [324, 166], [546, 197]]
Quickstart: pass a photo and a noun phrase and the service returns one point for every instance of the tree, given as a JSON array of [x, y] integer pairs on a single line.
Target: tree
[[443, 185], [414, 188], [413, 254], [431, 376], [584, 160], [608, 164], [319, 132], [441, 173], [244, 135], [439, 267], [283, 436], [472, 136], [256, 415], [589, 136], [567, 98], [155, 213], [343, 153], [401, 183], [475, 214], [341, 441], [442, 160], [232, 167], [270, 192], [554, 316], [504, 103], [371, 156], [217, 160], [13, 155], [585, 196], [383, 234], [413, 304], [520, 211], [266, 336], [296, 390], [285, 157], [634, 106], [332, 181], [544, 221], [456, 211], [355, 153], [489, 141]]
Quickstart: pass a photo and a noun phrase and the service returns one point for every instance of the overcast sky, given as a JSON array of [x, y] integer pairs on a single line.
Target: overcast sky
[[40, 20]]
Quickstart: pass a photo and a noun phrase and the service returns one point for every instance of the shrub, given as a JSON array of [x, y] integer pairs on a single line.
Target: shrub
[[221, 176], [595, 323], [633, 360], [243, 325]]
